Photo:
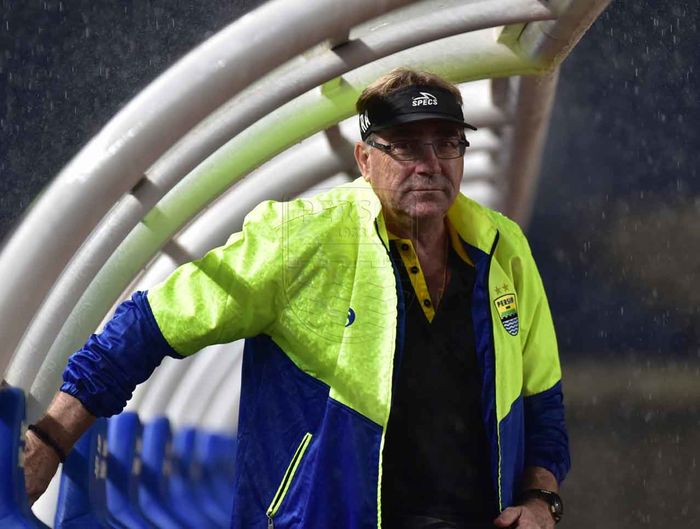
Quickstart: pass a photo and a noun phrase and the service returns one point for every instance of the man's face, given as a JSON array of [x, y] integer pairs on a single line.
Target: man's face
[[422, 188]]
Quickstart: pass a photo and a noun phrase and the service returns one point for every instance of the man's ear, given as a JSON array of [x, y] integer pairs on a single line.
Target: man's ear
[[362, 158]]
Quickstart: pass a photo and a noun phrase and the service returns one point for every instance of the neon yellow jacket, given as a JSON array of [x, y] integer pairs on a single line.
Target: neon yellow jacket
[[311, 285]]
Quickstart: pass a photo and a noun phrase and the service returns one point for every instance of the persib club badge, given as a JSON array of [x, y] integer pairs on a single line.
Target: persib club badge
[[508, 312]]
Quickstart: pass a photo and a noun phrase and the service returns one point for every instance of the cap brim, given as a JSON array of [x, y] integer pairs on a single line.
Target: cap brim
[[422, 116]]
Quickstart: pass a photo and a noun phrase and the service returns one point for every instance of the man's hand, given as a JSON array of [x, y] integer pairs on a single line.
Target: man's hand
[[65, 421], [533, 514]]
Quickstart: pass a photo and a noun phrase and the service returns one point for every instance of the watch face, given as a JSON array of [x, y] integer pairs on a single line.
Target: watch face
[[556, 507]]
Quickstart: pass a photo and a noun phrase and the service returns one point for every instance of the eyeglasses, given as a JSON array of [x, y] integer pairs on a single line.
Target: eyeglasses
[[406, 150]]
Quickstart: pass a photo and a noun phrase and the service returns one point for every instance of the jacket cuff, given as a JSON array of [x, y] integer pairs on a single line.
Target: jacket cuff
[[546, 439], [102, 374]]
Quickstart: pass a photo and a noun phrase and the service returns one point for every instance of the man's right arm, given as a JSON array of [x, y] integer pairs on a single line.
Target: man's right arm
[[98, 380], [226, 295]]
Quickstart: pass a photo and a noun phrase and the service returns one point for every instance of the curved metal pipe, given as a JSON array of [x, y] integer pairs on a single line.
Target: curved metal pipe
[[279, 130], [195, 392], [222, 413], [292, 80], [116, 159]]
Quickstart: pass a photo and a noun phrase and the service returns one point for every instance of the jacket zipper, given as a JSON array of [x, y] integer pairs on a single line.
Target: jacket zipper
[[499, 492], [287, 480], [396, 361], [400, 317]]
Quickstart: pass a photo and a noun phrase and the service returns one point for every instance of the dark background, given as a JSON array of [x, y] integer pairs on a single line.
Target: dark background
[[615, 229]]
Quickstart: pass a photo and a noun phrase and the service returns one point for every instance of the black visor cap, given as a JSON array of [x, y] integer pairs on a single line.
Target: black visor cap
[[409, 104]]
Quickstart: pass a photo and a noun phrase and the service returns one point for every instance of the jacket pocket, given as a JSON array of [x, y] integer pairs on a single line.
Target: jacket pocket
[[287, 480]]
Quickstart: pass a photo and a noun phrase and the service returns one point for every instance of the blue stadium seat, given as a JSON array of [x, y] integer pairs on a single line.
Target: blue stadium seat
[[82, 499], [216, 453], [188, 494], [124, 436], [14, 506], [154, 493]]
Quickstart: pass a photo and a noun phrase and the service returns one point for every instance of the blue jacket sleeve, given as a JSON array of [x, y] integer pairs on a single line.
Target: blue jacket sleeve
[[546, 440], [102, 374]]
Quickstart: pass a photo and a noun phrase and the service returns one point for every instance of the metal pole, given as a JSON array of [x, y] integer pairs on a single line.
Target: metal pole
[[262, 98], [117, 158], [459, 58]]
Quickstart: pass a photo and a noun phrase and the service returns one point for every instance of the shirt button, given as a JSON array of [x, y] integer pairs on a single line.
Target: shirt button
[[404, 247], [426, 302], [414, 269]]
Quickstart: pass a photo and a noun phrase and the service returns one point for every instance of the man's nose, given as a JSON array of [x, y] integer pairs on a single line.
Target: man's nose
[[427, 158]]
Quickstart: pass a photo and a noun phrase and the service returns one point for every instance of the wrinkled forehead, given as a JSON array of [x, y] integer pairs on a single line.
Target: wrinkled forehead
[[427, 128]]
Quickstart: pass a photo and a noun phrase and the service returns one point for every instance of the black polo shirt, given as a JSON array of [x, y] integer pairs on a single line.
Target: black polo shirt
[[435, 457]]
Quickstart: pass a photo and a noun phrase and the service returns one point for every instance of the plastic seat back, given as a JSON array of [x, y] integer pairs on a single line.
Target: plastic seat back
[[189, 495], [81, 497], [216, 453], [14, 505], [154, 494], [125, 441]]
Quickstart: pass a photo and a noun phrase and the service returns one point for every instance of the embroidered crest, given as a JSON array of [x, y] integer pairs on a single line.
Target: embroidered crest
[[508, 312]]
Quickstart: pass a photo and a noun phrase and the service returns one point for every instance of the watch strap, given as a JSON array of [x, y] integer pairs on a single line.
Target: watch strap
[[556, 506]]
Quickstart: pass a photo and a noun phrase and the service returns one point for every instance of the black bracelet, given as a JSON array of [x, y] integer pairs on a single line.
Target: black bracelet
[[48, 440]]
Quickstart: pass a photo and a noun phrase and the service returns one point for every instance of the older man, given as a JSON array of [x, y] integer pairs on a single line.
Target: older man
[[400, 367]]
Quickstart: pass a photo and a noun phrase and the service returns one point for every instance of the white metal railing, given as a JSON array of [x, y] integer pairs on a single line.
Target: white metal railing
[[195, 392], [291, 123], [74, 309], [303, 74], [117, 158]]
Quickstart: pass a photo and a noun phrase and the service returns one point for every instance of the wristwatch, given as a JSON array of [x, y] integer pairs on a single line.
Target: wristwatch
[[556, 506]]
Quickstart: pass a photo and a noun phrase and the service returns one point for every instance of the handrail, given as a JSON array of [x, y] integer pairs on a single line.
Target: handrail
[[539, 46], [222, 413], [463, 57], [194, 393], [262, 98], [116, 159]]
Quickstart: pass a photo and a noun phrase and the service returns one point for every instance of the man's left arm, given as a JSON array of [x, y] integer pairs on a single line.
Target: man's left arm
[[547, 459]]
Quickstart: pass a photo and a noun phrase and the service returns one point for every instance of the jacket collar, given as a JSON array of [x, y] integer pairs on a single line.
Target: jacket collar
[[473, 223]]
